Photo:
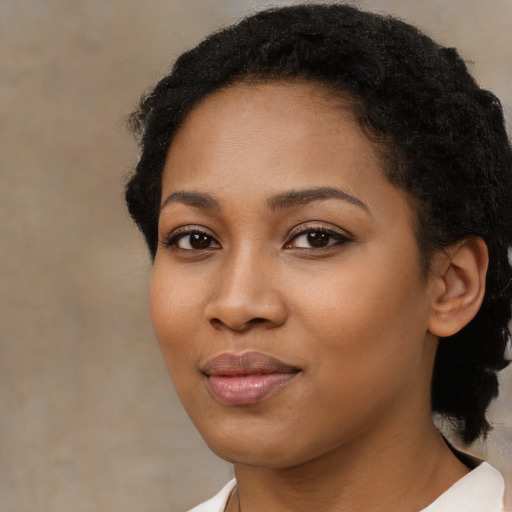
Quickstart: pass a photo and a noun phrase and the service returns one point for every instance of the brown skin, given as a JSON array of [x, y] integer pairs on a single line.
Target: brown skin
[[353, 430]]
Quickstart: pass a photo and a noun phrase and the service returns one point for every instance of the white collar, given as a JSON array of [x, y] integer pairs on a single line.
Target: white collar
[[481, 490]]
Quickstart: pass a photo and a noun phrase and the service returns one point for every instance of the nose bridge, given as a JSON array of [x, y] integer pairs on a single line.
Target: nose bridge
[[243, 273], [245, 292]]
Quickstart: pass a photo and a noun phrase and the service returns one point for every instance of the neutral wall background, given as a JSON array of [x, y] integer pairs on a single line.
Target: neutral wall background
[[88, 419]]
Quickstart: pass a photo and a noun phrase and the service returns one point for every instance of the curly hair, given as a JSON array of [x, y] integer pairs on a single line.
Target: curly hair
[[442, 138]]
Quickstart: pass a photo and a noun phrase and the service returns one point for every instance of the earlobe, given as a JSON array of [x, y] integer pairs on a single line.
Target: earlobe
[[459, 287]]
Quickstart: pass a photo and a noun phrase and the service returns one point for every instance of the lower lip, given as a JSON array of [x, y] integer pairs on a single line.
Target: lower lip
[[246, 389]]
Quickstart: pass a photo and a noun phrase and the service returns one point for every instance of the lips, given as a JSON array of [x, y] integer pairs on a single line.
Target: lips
[[247, 378]]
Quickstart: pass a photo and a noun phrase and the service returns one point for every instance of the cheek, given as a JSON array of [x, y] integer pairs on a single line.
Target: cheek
[[368, 351], [172, 304], [371, 313], [359, 298]]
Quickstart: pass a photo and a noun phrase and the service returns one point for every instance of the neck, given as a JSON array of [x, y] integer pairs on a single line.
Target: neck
[[364, 475]]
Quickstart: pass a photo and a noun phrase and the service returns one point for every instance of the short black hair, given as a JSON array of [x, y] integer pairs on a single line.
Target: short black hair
[[443, 140]]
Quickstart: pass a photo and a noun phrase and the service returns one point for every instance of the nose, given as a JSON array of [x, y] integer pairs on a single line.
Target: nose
[[246, 294]]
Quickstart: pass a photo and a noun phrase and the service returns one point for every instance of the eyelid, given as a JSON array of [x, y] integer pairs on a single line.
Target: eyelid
[[340, 236], [319, 226], [182, 231]]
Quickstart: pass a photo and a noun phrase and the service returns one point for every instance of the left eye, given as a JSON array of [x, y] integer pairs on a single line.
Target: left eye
[[316, 239], [195, 241], [192, 241]]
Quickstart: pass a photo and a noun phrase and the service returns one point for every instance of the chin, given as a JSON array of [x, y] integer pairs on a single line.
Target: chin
[[265, 446]]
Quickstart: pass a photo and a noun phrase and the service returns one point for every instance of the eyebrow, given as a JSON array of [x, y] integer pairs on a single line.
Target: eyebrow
[[286, 200], [300, 197], [200, 200]]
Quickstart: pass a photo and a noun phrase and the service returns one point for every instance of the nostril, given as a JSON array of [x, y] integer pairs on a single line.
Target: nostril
[[217, 323], [244, 307]]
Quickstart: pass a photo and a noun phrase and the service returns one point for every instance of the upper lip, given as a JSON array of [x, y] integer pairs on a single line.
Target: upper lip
[[245, 363]]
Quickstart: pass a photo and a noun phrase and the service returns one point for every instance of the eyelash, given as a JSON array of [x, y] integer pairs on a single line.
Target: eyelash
[[174, 238], [340, 239]]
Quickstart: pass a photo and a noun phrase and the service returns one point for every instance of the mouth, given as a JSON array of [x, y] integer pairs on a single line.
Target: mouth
[[247, 378]]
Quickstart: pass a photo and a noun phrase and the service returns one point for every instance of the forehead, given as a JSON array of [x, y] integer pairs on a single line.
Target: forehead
[[253, 128]]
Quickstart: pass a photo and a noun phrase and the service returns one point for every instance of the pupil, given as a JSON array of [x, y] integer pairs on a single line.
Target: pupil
[[199, 241], [318, 239]]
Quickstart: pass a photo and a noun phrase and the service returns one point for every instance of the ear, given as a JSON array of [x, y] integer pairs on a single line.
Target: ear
[[459, 285]]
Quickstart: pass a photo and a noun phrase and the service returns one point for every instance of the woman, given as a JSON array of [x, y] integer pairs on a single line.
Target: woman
[[325, 194]]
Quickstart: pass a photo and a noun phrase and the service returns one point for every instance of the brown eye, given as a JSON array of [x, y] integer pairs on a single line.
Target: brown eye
[[198, 241], [317, 239], [192, 241]]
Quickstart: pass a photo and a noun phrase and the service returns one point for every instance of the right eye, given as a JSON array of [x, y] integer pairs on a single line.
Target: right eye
[[192, 240]]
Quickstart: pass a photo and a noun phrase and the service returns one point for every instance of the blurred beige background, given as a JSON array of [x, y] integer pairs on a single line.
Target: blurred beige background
[[88, 419]]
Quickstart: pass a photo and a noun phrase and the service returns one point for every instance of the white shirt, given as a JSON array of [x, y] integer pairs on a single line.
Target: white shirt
[[481, 490]]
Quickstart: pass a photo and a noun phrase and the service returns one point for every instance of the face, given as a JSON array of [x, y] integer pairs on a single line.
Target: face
[[287, 293]]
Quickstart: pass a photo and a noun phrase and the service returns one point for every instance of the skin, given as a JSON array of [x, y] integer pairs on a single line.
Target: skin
[[353, 430]]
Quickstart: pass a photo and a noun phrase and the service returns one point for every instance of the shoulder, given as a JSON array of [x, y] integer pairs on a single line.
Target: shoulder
[[218, 502], [481, 490]]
